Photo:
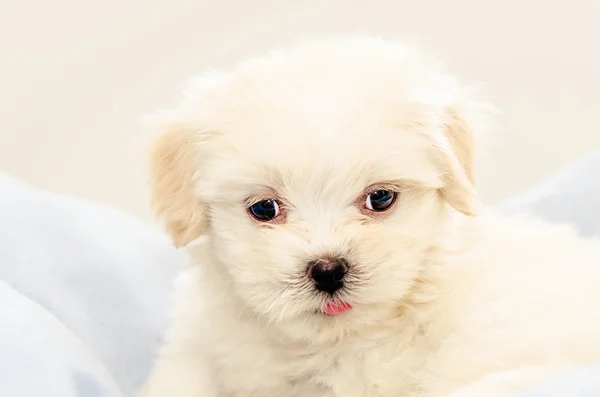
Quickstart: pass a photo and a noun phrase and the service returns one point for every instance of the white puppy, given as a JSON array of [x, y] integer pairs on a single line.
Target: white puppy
[[326, 198]]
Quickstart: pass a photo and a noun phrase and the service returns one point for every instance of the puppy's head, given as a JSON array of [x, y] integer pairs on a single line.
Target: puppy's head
[[322, 178]]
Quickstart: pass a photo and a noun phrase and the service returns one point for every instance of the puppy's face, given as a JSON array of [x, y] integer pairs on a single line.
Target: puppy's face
[[322, 177]]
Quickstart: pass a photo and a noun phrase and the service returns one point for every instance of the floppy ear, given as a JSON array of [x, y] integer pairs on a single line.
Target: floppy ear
[[457, 157], [174, 163]]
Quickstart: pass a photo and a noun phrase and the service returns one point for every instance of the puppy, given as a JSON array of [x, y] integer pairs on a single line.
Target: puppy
[[326, 198]]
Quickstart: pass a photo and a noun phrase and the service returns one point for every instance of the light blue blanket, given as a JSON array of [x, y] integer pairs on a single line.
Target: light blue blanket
[[84, 295]]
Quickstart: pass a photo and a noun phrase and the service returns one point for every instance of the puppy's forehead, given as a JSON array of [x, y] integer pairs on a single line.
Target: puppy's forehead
[[340, 121], [295, 154]]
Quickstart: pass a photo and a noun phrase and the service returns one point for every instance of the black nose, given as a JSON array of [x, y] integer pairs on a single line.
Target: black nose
[[328, 275]]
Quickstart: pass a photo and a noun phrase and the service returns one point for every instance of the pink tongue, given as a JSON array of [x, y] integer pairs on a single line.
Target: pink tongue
[[337, 307]]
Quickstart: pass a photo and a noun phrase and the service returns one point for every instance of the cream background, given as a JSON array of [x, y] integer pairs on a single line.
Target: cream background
[[75, 76]]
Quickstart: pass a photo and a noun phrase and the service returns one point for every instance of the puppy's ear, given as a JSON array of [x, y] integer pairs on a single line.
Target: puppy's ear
[[457, 157], [174, 163]]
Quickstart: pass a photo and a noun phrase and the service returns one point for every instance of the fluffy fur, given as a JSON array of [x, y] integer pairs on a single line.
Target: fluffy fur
[[445, 302]]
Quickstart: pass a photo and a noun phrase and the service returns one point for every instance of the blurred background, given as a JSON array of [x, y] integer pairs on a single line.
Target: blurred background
[[76, 77]]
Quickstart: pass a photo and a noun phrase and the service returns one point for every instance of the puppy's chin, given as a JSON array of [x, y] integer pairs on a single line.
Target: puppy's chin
[[304, 314], [318, 327], [309, 315], [304, 319]]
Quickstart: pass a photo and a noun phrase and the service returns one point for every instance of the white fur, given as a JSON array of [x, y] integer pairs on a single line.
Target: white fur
[[443, 301]]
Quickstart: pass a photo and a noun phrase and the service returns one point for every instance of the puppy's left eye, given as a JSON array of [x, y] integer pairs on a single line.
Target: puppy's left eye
[[380, 200], [265, 210]]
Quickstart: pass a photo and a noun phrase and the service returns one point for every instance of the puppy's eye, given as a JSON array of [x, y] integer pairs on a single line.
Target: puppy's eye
[[380, 200], [265, 210]]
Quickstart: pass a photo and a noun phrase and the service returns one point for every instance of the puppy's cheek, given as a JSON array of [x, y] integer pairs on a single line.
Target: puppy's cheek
[[390, 255], [239, 249], [420, 219], [262, 263], [387, 268]]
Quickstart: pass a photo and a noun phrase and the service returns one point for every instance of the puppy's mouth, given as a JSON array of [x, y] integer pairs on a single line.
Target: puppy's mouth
[[336, 307], [333, 307]]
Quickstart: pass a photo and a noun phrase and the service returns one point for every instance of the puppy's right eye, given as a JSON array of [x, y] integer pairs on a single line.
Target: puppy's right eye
[[380, 200], [265, 210]]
